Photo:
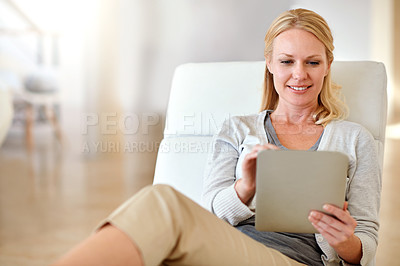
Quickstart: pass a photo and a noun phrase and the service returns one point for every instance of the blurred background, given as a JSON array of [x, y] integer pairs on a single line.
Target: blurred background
[[84, 87]]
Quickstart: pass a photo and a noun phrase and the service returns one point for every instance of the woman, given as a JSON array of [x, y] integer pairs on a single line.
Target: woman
[[301, 111]]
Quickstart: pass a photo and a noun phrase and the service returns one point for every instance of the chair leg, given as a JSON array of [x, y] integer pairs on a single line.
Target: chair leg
[[52, 117], [29, 126]]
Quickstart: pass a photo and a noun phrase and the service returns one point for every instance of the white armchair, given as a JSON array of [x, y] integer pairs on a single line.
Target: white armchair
[[203, 95], [6, 112]]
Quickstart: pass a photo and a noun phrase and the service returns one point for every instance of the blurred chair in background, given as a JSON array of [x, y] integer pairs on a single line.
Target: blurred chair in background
[[41, 94], [36, 99], [29, 60]]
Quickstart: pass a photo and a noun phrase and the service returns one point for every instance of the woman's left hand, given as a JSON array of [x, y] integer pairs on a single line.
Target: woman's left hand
[[338, 229]]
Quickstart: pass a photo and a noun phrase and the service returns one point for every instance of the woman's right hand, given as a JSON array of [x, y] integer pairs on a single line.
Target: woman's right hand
[[246, 186]]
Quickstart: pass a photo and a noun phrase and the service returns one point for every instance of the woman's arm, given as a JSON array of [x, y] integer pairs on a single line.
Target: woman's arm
[[362, 193], [246, 186], [219, 195], [338, 230]]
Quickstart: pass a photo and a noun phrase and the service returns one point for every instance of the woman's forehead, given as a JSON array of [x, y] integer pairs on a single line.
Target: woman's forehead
[[295, 42]]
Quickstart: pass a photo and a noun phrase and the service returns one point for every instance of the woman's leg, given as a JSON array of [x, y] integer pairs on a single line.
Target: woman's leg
[[167, 227], [109, 246]]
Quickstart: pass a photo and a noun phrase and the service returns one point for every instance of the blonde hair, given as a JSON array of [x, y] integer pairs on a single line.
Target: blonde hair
[[330, 101]]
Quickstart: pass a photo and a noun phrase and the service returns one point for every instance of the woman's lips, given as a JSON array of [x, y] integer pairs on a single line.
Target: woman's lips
[[299, 88]]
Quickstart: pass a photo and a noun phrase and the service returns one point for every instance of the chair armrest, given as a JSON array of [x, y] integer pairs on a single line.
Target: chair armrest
[[181, 162]]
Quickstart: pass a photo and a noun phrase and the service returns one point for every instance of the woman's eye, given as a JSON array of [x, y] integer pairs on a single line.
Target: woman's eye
[[286, 62], [314, 63]]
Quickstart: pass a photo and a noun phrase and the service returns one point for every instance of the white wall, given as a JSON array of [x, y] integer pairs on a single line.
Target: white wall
[[180, 31], [152, 37], [350, 22], [362, 30], [159, 35]]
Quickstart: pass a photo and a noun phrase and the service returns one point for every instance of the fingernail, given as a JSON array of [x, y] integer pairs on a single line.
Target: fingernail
[[326, 207]]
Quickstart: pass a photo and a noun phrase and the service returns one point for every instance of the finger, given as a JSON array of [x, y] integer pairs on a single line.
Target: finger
[[330, 238], [254, 152], [323, 231], [342, 215], [267, 146], [251, 155], [331, 225], [331, 234], [334, 231], [345, 206], [334, 237], [325, 221]]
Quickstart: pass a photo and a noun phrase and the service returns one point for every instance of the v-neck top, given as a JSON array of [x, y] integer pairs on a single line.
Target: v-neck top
[[273, 137]]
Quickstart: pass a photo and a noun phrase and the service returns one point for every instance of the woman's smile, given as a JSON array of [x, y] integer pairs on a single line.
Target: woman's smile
[[299, 88]]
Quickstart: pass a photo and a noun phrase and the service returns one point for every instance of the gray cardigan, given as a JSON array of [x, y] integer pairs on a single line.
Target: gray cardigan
[[237, 137]]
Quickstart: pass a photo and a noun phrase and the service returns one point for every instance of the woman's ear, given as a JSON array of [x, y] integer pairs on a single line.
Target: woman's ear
[[328, 68], [268, 63]]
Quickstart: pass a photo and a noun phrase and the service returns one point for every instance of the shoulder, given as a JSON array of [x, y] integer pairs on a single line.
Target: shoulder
[[345, 125], [347, 129], [236, 128], [244, 122]]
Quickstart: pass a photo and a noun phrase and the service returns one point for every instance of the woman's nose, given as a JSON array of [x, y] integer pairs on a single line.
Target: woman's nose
[[299, 72]]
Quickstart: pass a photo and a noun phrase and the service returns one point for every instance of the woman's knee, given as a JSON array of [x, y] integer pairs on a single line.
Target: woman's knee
[[164, 188], [169, 196]]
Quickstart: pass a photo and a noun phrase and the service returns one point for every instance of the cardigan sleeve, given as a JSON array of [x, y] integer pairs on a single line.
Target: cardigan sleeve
[[363, 194], [363, 186], [219, 195]]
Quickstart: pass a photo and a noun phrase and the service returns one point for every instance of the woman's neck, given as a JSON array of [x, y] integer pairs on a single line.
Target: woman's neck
[[293, 115]]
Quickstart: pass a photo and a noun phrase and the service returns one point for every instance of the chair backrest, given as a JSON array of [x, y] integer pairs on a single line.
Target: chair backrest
[[203, 95], [6, 112]]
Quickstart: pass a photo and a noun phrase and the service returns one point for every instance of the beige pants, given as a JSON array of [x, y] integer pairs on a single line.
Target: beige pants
[[171, 229]]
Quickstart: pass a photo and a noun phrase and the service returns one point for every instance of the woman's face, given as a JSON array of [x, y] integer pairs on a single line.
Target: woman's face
[[299, 64]]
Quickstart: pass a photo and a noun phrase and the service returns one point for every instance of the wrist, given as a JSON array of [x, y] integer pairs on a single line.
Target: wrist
[[245, 191], [351, 250]]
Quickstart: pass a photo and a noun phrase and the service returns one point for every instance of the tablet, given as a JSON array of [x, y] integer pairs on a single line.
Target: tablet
[[291, 183]]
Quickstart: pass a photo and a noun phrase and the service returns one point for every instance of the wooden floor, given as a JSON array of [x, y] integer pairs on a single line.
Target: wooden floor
[[53, 197]]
